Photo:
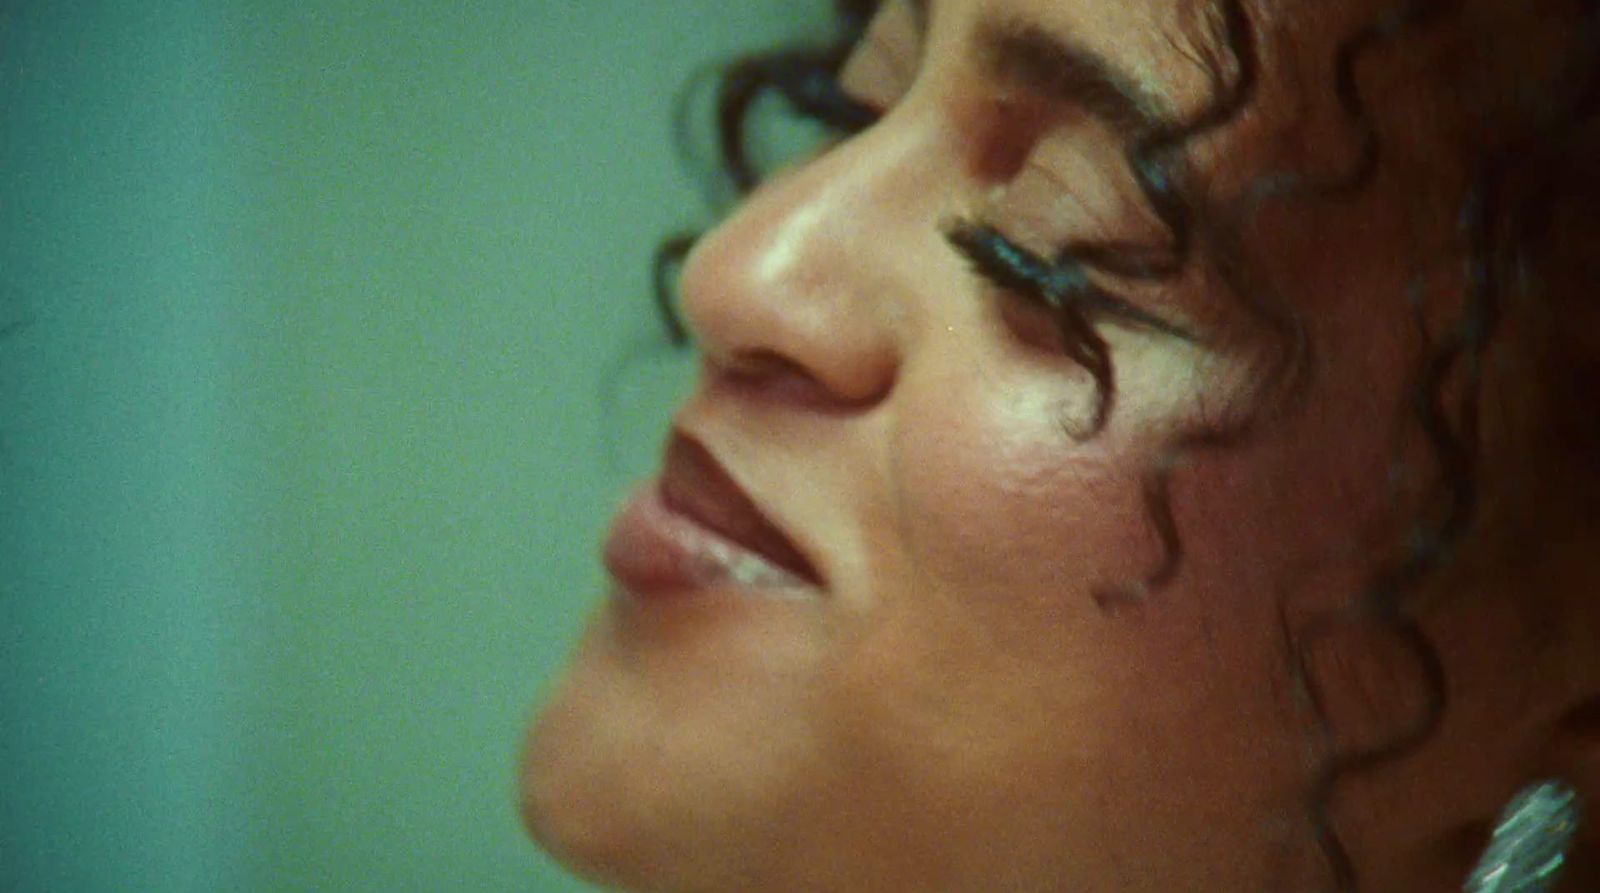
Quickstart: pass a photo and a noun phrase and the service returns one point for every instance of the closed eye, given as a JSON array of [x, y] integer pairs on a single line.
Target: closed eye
[[1064, 287]]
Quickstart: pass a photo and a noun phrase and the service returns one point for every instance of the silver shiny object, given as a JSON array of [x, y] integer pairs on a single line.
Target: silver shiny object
[[1529, 846]]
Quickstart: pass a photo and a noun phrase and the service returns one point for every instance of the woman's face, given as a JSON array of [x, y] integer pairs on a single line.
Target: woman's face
[[1007, 670]]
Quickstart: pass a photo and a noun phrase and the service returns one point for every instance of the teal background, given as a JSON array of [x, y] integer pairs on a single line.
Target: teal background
[[327, 356]]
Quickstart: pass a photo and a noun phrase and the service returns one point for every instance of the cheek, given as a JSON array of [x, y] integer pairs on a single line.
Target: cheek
[[999, 503], [1003, 514]]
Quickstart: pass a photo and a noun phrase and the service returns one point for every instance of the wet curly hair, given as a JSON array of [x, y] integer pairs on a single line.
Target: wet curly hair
[[1528, 220]]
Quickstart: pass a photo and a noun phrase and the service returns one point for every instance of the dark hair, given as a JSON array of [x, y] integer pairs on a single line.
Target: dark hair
[[1526, 226]]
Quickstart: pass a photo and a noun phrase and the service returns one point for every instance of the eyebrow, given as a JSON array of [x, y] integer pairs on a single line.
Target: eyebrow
[[1026, 56]]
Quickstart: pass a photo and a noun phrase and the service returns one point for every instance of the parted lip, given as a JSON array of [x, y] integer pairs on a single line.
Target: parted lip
[[694, 484]]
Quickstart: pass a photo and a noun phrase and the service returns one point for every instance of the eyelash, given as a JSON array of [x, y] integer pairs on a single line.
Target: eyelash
[[1063, 286]]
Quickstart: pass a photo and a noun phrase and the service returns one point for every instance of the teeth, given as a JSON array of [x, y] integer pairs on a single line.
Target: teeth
[[746, 568]]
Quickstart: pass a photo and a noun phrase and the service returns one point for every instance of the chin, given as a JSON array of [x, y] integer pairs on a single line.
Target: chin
[[598, 789], [688, 768], [583, 760], [569, 802]]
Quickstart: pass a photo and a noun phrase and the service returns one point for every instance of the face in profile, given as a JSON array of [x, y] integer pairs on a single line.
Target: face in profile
[[1042, 425]]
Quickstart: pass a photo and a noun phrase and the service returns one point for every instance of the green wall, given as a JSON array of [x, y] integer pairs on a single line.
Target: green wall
[[328, 354]]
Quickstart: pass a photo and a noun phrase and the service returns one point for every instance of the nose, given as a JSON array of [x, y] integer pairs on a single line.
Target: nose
[[798, 293]]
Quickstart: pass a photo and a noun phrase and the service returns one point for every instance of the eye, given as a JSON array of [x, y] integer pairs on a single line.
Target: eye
[[1059, 298], [1047, 308]]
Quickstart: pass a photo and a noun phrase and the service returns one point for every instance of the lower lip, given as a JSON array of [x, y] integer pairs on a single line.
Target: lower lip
[[654, 552]]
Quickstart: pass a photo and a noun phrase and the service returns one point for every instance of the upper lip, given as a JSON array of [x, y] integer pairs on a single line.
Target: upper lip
[[694, 484]]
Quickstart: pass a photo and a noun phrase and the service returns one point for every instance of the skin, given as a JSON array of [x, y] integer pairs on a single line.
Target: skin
[[956, 710]]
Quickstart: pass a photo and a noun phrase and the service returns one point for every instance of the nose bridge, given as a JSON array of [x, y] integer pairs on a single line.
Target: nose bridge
[[809, 271]]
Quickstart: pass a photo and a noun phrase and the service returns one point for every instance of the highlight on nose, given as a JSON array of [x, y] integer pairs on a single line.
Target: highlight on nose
[[778, 297]]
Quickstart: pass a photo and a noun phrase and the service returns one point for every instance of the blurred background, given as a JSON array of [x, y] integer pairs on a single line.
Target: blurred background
[[326, 352]]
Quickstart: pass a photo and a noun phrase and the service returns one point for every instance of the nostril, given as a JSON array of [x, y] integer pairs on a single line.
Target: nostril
[[760, 362], [774, 376], [767, 369]]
